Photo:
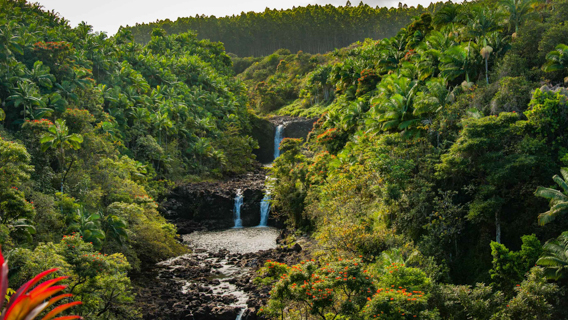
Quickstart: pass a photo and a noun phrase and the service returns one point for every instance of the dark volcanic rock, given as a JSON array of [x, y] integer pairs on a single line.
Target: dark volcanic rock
[[294, 127], [209, 205], [263, 132], [165, 294]]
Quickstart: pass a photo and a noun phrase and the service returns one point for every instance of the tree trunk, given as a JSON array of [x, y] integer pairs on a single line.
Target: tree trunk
[[497, 227], [487, 70], [62, 164]]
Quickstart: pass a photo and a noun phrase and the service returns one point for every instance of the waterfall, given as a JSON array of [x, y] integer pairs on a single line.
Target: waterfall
[[278, 136], [264, 210], [240, 315], [237, 210]]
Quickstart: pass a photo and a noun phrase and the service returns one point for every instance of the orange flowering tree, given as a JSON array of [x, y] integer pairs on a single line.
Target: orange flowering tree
[[398, 303], [332, 139], [348, 288], [341, 287], [400, 295]]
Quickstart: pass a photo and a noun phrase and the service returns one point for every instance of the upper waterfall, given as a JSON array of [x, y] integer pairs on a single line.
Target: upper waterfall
[[277, 139]]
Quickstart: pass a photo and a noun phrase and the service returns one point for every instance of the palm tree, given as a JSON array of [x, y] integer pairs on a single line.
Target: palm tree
[[58, 137], [440, 40], [66, 89], [447, 14], [434, 98], [459, 60], [555, 257], [141, 115], [392, 51], [557, 59], [162, 122], [54, 101], [482, 20], [485, 53], [111, 130], [10, 40], [519, 11], [83, 30], [350, 117], [397, 256], [394, 106], [40, 74], [26, 94], [558, 199], [202, 149], [499, 42]]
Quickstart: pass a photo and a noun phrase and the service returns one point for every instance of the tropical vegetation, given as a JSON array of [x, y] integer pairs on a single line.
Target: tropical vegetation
[[431, 169], [312, 28], [433, 184]]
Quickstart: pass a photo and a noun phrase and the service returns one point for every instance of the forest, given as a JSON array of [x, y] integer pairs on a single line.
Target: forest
[[434, 184], [434, 181], [94, 131], [313, 28]]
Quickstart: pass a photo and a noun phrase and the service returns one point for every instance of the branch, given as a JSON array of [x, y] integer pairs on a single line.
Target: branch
[[67, 171], [108, 303]]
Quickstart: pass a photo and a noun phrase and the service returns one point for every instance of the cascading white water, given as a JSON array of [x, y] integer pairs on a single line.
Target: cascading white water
[[240, 315], [237, 210], [278, 136], [264, 210]]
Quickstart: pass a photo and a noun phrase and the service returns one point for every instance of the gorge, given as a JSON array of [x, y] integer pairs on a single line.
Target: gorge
[[228, 227]]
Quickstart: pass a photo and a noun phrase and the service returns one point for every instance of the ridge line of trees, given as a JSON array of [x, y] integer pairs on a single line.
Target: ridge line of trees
[[313, 28]]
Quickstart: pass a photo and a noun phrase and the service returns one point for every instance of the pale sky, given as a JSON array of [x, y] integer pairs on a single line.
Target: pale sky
[[109, 15]]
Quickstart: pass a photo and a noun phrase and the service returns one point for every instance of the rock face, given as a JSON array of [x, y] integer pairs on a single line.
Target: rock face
[[210, 205], [294, 127], [263, 132]]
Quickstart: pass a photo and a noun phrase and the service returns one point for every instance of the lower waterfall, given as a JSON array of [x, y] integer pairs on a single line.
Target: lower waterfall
[[237, 211]]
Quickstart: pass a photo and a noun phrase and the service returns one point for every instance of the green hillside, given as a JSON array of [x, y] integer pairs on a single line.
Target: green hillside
[[313, 28]]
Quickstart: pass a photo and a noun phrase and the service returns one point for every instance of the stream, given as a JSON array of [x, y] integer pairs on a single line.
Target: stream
[[217, 274], [226, 226]]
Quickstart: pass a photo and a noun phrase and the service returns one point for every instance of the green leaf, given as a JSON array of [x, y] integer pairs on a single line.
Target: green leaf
[[549, 193]]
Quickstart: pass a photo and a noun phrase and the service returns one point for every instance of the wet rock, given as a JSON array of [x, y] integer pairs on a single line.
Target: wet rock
[[263, 132], [224, 313], [209, 205], [194, 287], [297, 248]]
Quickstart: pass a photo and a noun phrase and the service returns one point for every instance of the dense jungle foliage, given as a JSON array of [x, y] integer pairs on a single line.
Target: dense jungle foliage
[[277, 80], [313, 28], [94, 130], [434, 181]]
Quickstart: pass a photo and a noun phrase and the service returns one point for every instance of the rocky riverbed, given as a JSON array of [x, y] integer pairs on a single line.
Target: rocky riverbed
[[215, 280]]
